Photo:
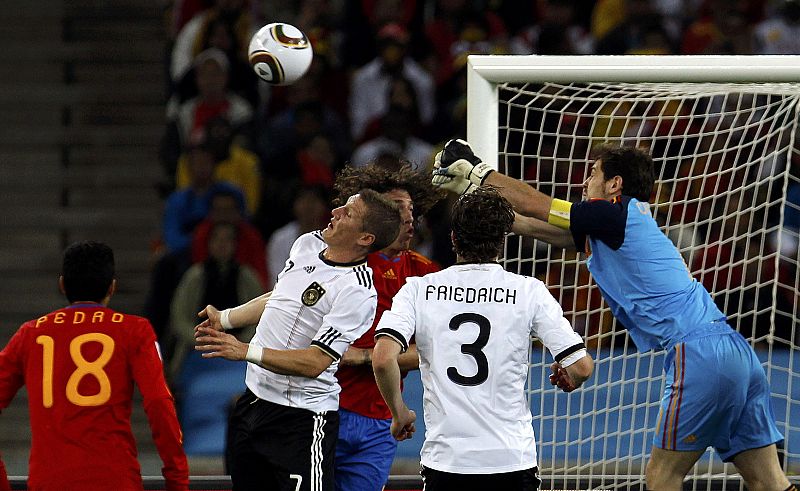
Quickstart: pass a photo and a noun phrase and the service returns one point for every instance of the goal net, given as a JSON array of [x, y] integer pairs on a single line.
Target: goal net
[[723, 135]]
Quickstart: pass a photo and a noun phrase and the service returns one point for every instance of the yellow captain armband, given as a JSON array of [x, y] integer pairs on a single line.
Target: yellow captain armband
[[559, 213]]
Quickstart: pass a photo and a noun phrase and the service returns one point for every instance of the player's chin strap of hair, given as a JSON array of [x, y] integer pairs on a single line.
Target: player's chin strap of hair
[[559, 213]]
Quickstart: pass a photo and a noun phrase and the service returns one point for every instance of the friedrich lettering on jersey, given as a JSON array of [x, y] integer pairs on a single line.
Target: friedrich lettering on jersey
[[312, 294], [470, 295]]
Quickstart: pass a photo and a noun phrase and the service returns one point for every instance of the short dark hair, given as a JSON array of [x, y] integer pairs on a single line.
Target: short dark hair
[[633, 165], [382, 180], [480, 222], [88, 270], [382, 218]]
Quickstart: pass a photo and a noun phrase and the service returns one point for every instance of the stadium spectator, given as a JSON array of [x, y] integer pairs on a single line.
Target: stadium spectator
[[641, 19], [79, 364], [365, 449], [226, 206], [721, 27], [556, 33], [195, 33], [310, 210], [187, 207], [183, 211], [645, 282], [370, 85], [458, 26], [221, 34], [478, 421], [186, 121], [401, 94], [218, 280], [234, 163], [289, 131], [283, 430], [779, 34], [318, 162], [396, 139]]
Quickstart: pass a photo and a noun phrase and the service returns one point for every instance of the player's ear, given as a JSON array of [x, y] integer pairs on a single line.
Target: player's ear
[[112, 289], [61, 287], [615, 185], [366, 240]]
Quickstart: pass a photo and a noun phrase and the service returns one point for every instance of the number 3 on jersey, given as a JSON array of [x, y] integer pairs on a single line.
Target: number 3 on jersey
[[473, 349], [83, 368]]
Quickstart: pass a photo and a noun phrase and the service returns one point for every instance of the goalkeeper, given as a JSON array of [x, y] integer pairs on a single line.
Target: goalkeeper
[[716, 393]]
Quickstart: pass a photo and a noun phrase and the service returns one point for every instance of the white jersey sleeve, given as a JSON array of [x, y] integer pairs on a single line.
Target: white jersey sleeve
[[399, 323], [350, 317], [550, 326]]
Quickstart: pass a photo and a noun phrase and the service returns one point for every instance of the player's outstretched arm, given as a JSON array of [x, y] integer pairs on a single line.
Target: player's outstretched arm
[[458, 169], [245, 315], [525, 199], [387, 375], [543, 231]]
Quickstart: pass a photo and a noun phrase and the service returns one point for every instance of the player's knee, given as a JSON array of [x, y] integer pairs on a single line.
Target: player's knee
[[661, 477]]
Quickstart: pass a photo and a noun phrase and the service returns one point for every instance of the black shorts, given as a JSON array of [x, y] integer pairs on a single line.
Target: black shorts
[[524, 480], [271, 446]]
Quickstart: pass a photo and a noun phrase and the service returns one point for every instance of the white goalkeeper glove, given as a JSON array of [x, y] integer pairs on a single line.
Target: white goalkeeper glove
[[456, 168]]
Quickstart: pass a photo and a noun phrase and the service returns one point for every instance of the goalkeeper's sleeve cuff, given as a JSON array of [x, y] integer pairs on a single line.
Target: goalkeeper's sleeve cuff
[[559, 213], [479, 173]]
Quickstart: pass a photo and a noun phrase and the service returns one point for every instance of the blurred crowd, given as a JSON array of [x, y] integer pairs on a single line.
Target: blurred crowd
[[248, 167]]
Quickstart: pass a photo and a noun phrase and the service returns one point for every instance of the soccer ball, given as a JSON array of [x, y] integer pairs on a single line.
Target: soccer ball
[[280, 53]]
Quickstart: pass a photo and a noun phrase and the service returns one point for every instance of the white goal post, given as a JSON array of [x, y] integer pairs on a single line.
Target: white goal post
[[723, 134]]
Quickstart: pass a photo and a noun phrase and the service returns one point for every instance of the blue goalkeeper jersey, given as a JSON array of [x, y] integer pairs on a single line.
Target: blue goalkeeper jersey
[[641, 273]]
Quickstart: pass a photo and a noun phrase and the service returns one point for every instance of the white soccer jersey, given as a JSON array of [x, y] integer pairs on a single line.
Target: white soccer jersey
[[315, 302], [473, 324]]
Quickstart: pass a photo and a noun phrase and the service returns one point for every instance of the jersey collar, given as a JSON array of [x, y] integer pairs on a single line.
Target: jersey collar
[[334, 263]]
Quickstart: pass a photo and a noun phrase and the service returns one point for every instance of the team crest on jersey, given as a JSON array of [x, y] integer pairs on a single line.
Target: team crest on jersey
[[309, 269], [312, 294]]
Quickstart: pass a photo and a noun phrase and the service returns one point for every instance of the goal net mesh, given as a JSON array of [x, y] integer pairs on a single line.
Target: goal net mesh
[[726, 193]]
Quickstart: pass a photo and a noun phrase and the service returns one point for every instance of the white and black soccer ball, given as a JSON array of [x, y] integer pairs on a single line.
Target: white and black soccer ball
[[280, 53]]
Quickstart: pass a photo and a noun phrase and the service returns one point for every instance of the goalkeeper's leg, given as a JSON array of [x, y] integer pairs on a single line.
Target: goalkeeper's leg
[[761, 469], [667, 468]]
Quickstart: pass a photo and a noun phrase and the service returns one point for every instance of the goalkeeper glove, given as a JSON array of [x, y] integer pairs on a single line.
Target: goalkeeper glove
[[456, 168]]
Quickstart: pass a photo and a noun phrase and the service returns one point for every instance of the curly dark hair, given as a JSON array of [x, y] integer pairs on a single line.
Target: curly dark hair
[[480, 222], [418, 185], [88, 270]]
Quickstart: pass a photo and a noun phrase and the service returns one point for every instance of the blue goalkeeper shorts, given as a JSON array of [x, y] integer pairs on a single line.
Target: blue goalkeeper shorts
[[364, 452], [716, 395]]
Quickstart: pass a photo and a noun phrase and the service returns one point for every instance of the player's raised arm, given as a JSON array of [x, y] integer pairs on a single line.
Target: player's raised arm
[[458, 169], [244, 315]]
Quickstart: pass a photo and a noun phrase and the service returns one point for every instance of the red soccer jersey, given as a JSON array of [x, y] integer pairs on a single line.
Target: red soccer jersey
[[79, 365], [4, 484], [360, 392]]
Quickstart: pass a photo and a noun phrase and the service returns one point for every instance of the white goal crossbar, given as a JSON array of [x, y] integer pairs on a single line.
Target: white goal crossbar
[[484, 72]]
